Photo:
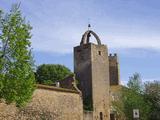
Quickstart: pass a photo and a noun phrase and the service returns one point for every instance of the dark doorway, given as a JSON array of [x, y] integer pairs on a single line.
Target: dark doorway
[[112, 116], [101, 115]]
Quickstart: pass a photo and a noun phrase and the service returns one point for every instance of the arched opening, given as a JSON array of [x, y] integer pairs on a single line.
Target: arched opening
[[101, 115], [86, 37]]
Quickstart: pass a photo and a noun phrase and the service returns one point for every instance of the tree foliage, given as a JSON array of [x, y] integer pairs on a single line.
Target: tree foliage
[[152, 94], [16, 62], [132, 97], [135, 82], [134, 100], [50, 73]]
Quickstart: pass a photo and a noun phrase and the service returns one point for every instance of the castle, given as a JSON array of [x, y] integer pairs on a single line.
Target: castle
[[96, 72], [98, 79]]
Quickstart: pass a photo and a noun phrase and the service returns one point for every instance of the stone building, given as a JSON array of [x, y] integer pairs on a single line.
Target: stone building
[[96, 73]]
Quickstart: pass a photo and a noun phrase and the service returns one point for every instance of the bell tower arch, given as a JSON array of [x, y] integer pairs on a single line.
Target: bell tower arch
[[86, 36]]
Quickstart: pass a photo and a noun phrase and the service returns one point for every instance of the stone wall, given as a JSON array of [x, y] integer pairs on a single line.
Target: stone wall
[[91, 67], [82, 70], [88, 115], [100, 82], [62, 104], [7, 112], [48, 103]]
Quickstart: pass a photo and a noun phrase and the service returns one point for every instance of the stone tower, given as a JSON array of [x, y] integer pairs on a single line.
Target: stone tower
[[91, 67], [113, 69]]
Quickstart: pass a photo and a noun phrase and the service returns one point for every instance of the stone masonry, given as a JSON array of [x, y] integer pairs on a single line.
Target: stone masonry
[[48, 103], [113, 69], [91, 67]]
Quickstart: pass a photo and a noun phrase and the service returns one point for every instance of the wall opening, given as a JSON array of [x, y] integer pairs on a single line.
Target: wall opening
[[101, 115], [78, 50], [112, 116], [99, 52]]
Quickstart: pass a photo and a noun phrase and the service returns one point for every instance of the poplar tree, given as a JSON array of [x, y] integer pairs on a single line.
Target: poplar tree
[[16, 63]]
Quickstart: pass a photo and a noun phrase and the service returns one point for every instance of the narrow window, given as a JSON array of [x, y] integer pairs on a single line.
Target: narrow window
[[101, 115], [99, 52], [78, 50]]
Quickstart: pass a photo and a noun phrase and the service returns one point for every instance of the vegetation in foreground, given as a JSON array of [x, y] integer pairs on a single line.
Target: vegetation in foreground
[[145, 97], [16, 63]]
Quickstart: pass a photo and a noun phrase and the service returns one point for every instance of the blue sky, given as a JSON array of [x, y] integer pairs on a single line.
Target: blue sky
[[130, 28]]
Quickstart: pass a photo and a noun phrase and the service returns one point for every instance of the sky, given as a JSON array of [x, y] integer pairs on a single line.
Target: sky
[[130, 28]]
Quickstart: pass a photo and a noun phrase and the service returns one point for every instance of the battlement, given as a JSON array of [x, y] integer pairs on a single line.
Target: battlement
[[113, 56], [113, 59]]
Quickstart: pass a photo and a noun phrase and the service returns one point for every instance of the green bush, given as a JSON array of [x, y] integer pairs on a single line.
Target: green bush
[[50, 73]]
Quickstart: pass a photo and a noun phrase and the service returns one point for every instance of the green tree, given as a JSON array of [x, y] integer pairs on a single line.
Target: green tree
[[135, 82], [134, 100], [16, 63], [131, 98], [152, 94], [50, 73]]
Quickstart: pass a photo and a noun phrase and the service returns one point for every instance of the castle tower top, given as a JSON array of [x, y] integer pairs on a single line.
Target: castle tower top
[[86, 37]]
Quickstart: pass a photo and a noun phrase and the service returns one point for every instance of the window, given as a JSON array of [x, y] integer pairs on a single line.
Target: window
[[78, 50], [99, 52], [101, 115]]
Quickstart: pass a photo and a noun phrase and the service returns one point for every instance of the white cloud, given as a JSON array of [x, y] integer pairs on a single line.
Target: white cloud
[[123, 82], [58, 26], [135, 42], [55, 40], [62, 40]]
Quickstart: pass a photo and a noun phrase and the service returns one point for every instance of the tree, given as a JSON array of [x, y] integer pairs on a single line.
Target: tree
[[152, 94], [50, 73], [135, 82], [131, 98], [16, 62]]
